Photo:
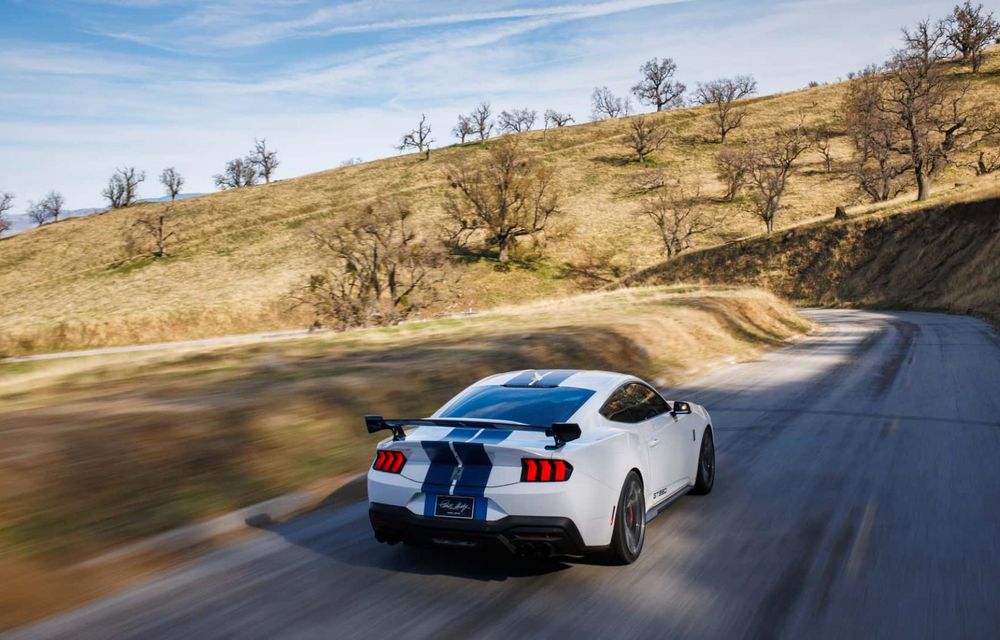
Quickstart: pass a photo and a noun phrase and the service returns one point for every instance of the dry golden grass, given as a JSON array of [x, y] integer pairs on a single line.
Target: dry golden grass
[[940, 255], [70, 284], [99, 451]]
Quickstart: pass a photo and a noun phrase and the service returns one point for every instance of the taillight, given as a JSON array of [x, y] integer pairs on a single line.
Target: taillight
[[389, 461], [543, 470]]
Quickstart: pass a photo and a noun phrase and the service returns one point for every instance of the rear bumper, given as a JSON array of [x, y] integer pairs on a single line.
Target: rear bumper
[[523, 535]]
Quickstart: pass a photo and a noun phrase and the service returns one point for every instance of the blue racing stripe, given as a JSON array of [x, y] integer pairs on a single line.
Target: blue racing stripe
[[441, 465], [540, 378], [477, 467]]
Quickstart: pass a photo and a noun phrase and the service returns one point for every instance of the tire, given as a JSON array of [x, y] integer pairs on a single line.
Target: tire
[[706, 465], [630, 522]]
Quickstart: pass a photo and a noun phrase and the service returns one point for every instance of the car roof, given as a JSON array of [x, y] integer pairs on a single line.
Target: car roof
[[542, 378]]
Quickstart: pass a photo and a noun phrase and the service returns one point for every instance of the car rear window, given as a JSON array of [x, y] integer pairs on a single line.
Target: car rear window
[[539, 406]]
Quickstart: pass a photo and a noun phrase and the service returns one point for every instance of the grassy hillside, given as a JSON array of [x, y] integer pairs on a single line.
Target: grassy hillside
[[73, 283], [944, 256], [98, 451]]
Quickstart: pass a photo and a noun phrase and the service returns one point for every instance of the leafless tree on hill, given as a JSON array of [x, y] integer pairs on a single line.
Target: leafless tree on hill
[[374, 269], [264, 160], [732, 166], [239, 173], [419, 138], [678, 219], [878, 166], [645, 136], [988, 162], [172, 181], [724, 96], [123, 187], [557, 118], [968, 31], [506, 197], [604, 104], [772, 162], [48, 208], [463, 129], [482, 121], [155, 228], [37, 213], [931, 109], [822, 143], [6, 204], [517, 120], [657, 87]]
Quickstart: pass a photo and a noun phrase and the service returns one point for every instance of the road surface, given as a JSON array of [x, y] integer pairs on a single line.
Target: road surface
[[858, 496]]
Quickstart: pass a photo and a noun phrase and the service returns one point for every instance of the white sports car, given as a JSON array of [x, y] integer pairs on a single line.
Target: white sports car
[[554, 462]]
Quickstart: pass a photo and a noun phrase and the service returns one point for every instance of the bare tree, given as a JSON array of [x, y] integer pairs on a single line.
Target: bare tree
[[732, 166], [724, 96], [6, 204], [155, 228], [465, 128], [482, 121], [375, 270], [968, 31], [878, 164], [677, 217], [419, 139], [48, 208], [264, 160], [239, 173], [657, 86], [822, 143], [123, 187], [931, 110], [645, 136], [501, 199], [517, 120], [988, 162], [605, 104], [557, 118], [172, 181], [771, 164], [37, 213]]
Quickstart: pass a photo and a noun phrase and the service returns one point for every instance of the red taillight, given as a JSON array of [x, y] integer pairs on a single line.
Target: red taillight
[[389, 461], [542, 470]]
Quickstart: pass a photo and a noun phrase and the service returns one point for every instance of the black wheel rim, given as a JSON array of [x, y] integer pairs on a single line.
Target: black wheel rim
[[634, 518], [708, 459]]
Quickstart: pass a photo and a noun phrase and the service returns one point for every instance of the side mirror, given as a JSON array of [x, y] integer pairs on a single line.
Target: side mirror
[[681, 408]]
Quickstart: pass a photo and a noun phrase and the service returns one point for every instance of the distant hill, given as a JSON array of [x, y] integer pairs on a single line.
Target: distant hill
[[238, 253]]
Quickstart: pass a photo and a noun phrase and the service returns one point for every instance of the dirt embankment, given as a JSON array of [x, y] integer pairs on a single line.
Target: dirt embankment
[[945, 257]]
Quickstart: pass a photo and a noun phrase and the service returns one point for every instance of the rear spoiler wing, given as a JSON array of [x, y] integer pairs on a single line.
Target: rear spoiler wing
[[561, 432]]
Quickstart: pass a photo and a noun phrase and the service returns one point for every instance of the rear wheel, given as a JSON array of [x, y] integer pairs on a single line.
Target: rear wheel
[[706, 465], [630, 522]]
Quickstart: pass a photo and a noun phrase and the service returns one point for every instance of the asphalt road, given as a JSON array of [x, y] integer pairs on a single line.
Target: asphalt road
[[858, 496]]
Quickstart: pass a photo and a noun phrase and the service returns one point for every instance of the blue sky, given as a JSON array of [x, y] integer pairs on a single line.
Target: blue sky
[[88, 85]]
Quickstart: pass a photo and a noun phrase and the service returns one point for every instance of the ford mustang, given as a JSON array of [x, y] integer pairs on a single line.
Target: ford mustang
[[542, 463]]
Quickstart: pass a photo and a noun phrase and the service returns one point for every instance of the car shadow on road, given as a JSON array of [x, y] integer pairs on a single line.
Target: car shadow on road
[[338, 528]]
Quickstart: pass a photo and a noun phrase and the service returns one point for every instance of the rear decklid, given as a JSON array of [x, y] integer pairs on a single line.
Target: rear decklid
[[468, 458]]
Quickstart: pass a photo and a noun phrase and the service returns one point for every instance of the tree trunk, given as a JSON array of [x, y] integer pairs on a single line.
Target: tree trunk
[[923, 185], [770, 225], [502, 245], [723, 133]]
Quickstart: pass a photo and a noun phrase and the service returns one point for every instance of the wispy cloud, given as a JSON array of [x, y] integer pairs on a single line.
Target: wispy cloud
[[190, 82]]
